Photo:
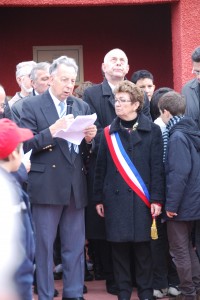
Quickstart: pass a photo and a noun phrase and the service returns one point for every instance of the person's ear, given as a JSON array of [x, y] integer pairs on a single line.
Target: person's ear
[[127, 69], [103, 67], [50, 80], [13, 155], [32, 83], [167, 114], [136, 105], [19, 80]]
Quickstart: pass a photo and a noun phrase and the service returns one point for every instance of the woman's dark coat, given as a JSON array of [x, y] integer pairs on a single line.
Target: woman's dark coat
[[127, 217], [101, 101]]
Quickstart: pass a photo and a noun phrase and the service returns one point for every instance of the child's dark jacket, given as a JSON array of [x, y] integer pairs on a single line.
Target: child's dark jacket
[[183, 171], [24, 274]]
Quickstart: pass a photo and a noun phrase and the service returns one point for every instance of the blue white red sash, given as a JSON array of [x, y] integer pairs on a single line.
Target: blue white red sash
[[125, 166]]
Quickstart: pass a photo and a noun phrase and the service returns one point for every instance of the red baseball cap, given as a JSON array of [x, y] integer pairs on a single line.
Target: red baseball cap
[[10, 136]]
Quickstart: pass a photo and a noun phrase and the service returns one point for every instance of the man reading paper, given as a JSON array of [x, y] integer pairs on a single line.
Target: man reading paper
[[57, 184]]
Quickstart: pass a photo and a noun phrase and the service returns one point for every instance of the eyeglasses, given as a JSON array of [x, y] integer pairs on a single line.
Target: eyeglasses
[[197, 73], [121, 100], [2, 105]]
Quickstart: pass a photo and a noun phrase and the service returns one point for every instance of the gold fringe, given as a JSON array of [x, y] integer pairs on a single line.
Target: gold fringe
[[154, 232]]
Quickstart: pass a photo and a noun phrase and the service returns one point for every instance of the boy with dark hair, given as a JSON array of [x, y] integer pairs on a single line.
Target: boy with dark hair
[[182, 168], [144, 80], [154, 110], [14, 202]]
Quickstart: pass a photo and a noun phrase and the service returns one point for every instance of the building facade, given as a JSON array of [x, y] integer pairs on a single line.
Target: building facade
[[157, 35]]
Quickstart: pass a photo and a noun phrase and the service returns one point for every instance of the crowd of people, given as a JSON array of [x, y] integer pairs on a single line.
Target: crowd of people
[[129, 190]]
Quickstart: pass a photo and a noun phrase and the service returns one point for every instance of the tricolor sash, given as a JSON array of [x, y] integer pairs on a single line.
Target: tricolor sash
[[125, 166]]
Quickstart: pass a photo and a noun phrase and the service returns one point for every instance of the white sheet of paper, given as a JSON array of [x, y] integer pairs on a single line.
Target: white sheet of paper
[[27, 155], [74, 133]]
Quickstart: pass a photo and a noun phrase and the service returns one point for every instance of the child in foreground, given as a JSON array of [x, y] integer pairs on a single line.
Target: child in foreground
[[182, 168], [16, 232]]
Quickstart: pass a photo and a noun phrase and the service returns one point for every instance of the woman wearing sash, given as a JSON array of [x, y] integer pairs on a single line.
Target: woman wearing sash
[[129, 188]]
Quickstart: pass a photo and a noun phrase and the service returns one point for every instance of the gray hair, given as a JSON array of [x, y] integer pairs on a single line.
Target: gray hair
[[24, 68], [39, 66], [63, 60]]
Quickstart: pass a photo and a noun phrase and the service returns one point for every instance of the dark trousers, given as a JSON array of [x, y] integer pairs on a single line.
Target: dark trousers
[[184, 256], [101, 253], [121, 254], [197, 237], [164, 270]]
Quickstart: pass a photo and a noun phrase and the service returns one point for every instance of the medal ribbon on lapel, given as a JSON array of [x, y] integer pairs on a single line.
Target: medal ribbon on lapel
[[126, 167]]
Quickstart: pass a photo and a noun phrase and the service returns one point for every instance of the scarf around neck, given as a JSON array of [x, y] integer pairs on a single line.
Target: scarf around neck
[[173, 121]]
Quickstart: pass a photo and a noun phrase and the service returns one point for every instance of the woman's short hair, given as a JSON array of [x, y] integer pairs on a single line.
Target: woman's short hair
[[135, 93]]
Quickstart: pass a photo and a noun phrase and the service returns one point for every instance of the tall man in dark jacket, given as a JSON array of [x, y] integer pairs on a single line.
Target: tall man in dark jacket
[[57, 183], [191, 90], [101, 101]]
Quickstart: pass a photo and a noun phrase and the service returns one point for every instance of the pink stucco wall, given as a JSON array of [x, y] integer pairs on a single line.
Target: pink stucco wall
[[185, 37], [48, 3], [185, 26]]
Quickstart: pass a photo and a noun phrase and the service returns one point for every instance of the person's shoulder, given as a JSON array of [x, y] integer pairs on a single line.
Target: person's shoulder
[[18, 103], [144, 119], [8, 187], [80, 103], [93, 89], [37, 98], [14, 99], [189, 84], [152, 126], [160, 123], [146, 124]]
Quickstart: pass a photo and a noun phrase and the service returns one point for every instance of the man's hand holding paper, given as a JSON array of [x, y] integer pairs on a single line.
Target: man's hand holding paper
[[61, 124], [90, 133], [77, 129]]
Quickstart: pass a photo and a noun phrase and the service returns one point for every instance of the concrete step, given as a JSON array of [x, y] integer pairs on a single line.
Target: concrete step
[[96, 291]]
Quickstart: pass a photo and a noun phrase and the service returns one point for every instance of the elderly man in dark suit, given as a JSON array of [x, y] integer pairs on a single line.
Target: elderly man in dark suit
[[57, 183]]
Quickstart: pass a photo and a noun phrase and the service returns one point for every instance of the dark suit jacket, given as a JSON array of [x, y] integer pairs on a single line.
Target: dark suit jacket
[[191, 91], [54, 170], [16, 108]]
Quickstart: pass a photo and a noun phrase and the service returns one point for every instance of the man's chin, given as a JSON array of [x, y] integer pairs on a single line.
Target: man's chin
[[119, 75]]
